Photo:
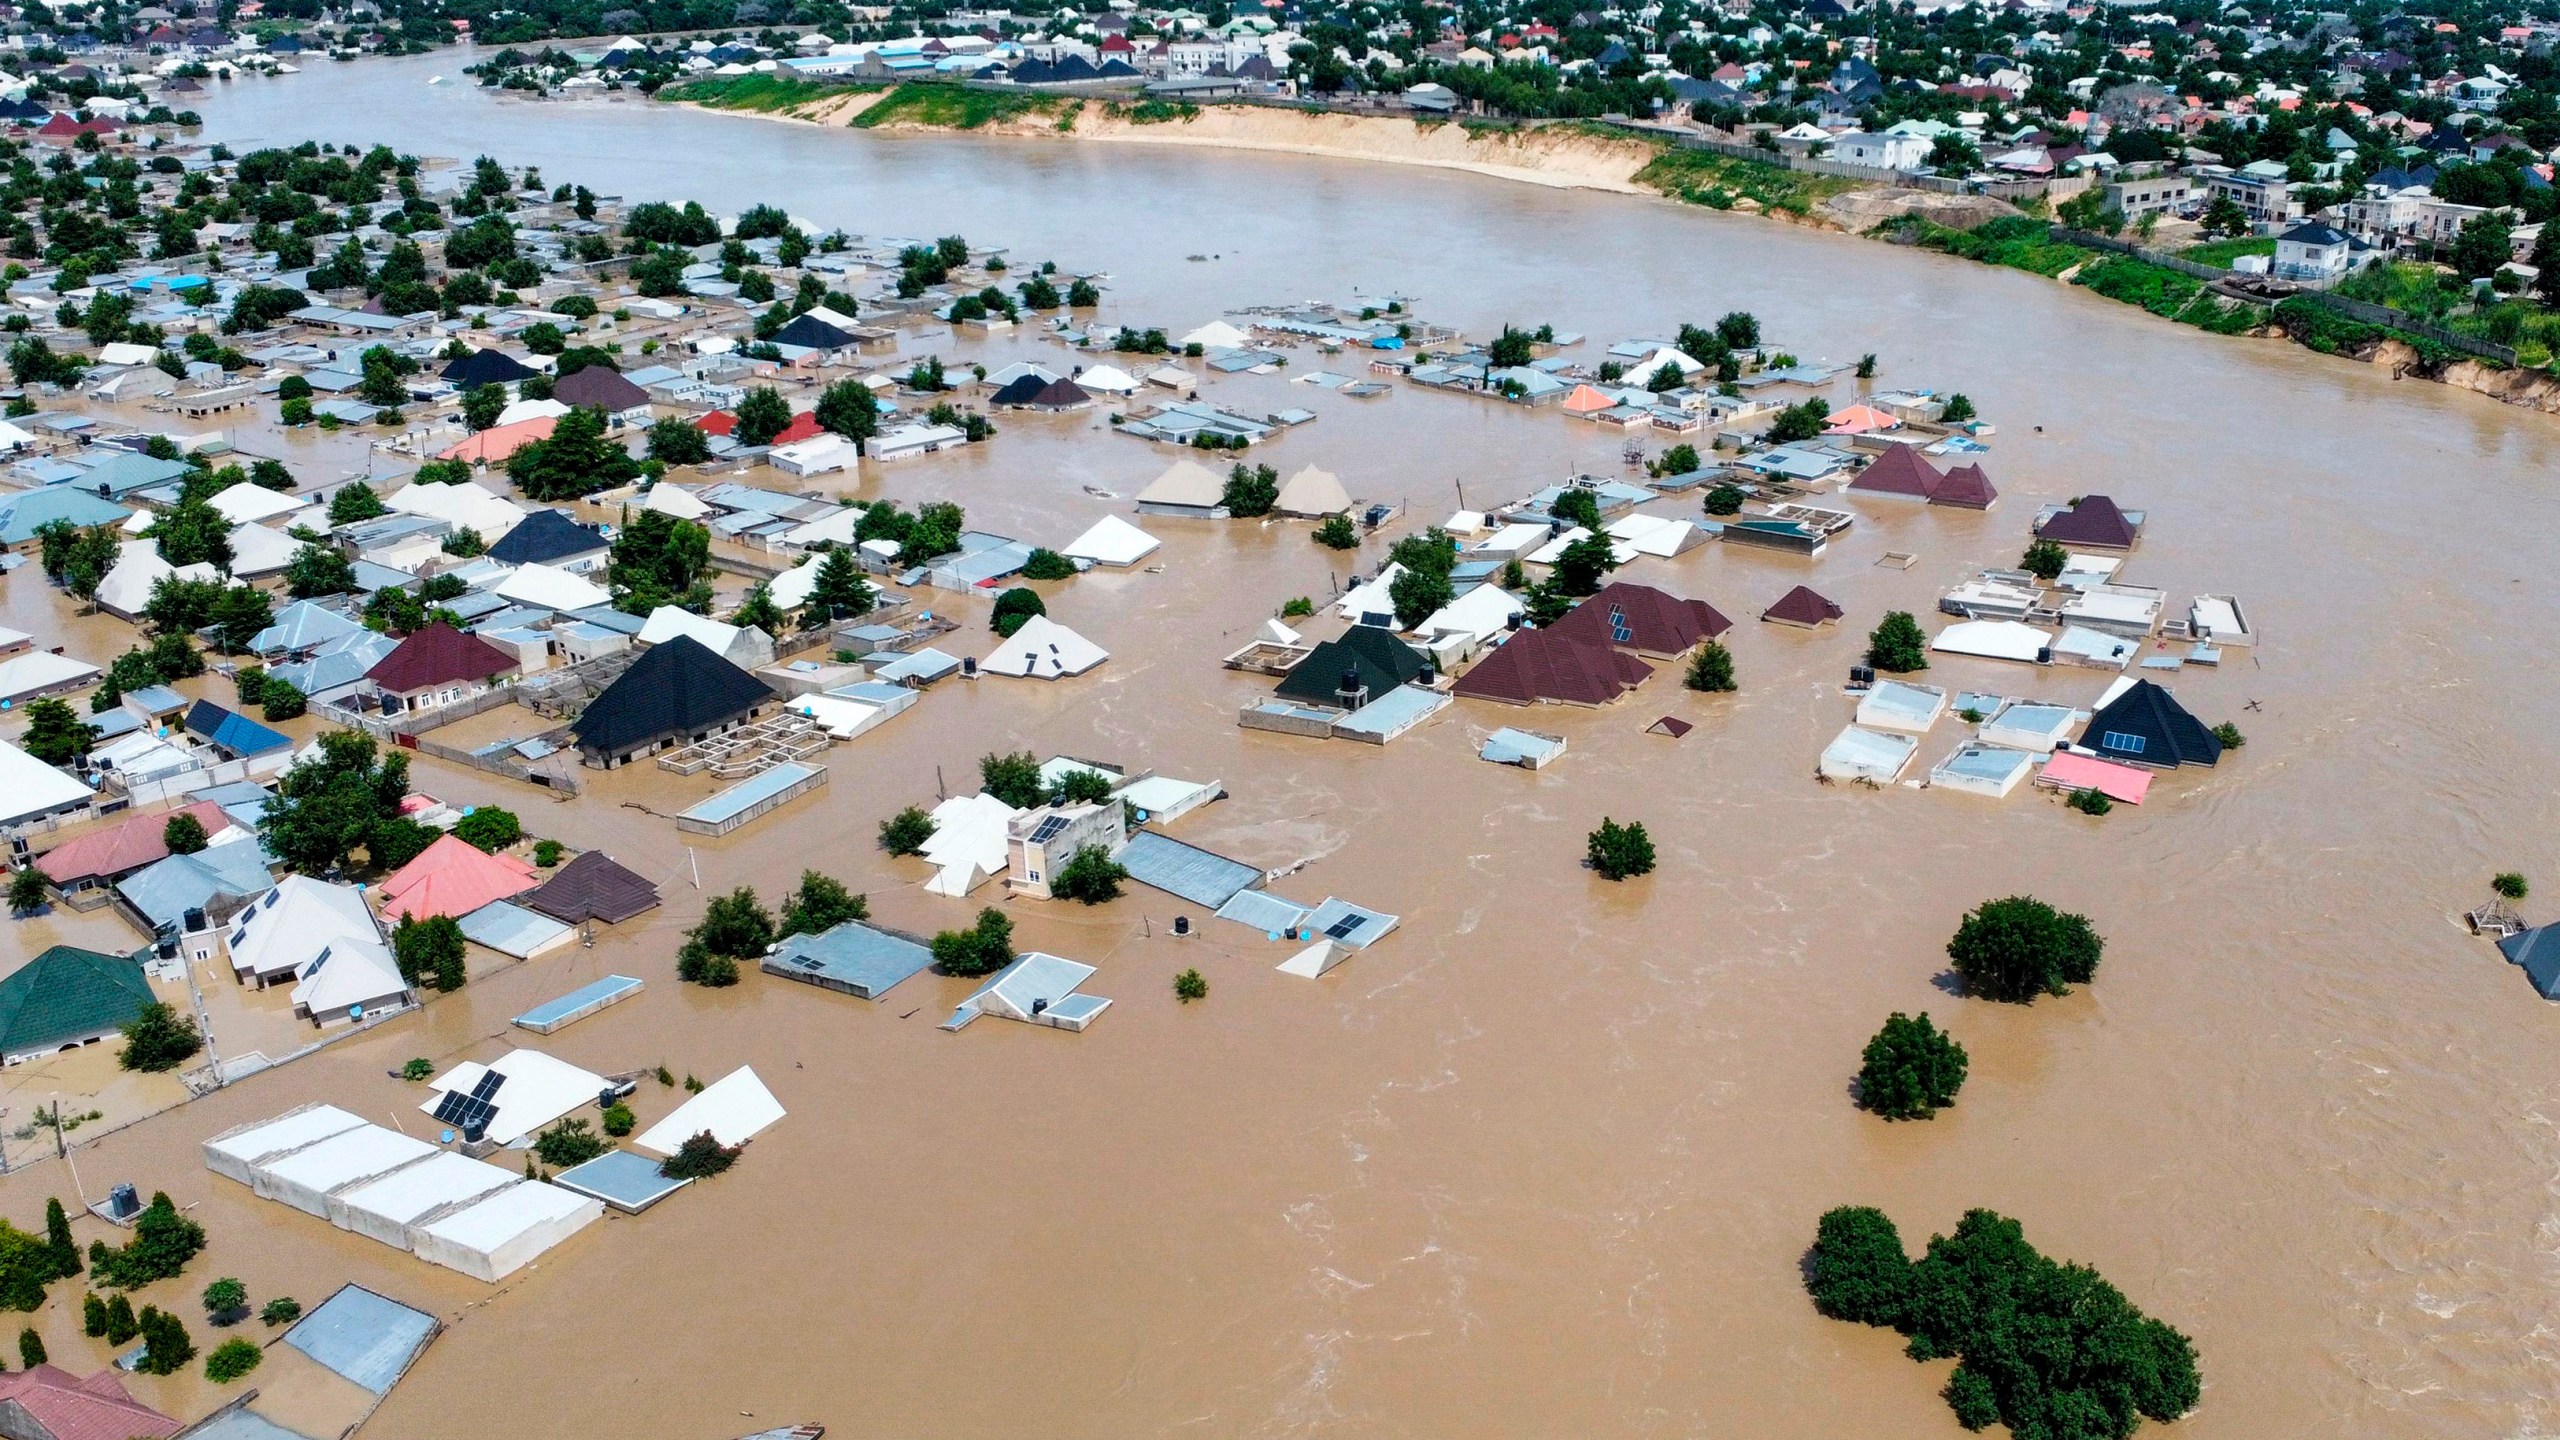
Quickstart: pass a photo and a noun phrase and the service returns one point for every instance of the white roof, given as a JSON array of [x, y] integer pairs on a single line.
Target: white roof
[[1483, 612], [538, 1090], [1464, 522], [464, 506], [968, 842], [1043, 649], [1901, 705], [1279, 634], [1996, 639], [138, 567], [791, 588], [244, 504], [1108, 380], [449, 1177], [836, 715], [675, 500], [522, 410], [1659, 535], [817, 454], [1112, 541], [1513, 539], [667, 622], [255, 1142], [735, 1108], [1185, 482], [1216, 335], [1312, 492], [836, 526], [1856, 754], [122, 353], [1645, 368], [1553, 550], [40, 670], [487, 1227], [260, 549], [551, 587], [295, 921], [1372, 598], [351, 971], [348, 1157]]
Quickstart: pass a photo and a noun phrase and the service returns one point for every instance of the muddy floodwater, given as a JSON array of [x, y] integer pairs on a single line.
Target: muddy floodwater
[[1544, 1162]]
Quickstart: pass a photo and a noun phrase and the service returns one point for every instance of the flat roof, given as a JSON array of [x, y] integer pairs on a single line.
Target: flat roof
[[504, 1216], [544, 1018], [1185, 872], [752, 791], [852, 956], [627, 1182], [368, 1338]]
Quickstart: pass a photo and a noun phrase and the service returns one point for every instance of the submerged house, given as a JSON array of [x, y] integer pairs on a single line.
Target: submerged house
[[2147, 726], [2093, 522], [437, 666], [1900, 471], [1365, 662], [675, 693], [1037, 989], [1554, 667], [65, 998], [1644, 620], [1186, 488]]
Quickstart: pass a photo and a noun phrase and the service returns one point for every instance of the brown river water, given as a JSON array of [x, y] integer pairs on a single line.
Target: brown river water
[[1544, 1162]]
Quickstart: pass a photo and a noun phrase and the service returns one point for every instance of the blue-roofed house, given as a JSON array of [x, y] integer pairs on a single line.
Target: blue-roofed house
[[236, 735], [302, 626], [190, 897], [859, 960], [125, 471], [1037, 989], [336, 666], [23, 513]]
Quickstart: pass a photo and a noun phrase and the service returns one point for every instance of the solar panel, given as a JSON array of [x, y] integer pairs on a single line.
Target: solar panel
[[1618, 627], [1049, 829], [487, 1089], [1341, 929], [464, 1112]]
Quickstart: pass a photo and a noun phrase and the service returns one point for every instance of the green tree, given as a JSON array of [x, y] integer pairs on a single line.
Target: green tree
[[158, 1038], [1857, 1270], [1739, 330], [26, 890], [240, 612], [2510, 885], [758, 612], [121, 1324], [619, 1121], [167, 1346], [678, 441], [2223, 216], [699, 1158], [1014, 609], [762, 415], [482, 404], [2018, 948], [1090, 877], [736, 926], [660, 560], [1577, 506], [1013, 779], [1334, 532], [821, 903], [569, 1143], [1250, 491], [577, 459], [57, 1238], [1511, 347], [30, 1348], [1724, 499], [1047, 564], [839, 592], [232, 1359], [164, 1240], [1711, 669], [317, 570], [356, 503], [982, 949], [2044, 559], [281, 700], [1799, 422], [283, 1310], [55, 733], [1417, 594], [93, 1316], [328, 807], [184, 834], [193, 533], [425, 948], [2485, 244], [489, 828], [226, 1301], [1910, 1070], [1959, 409], [1583, 563], [906, 832], [1896, 644], [848, 409], [1620, 852]]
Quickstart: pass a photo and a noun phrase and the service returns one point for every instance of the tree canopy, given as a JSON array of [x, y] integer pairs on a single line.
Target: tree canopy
[[2019, 948]]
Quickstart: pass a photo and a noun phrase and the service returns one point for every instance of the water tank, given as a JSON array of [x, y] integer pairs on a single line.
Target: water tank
[[475, 1130], [1862, 674], [969, 667], [1181, 924], [122, 1202], [194, 921], [1350, 691], [1039, 1007], [2044, 655]]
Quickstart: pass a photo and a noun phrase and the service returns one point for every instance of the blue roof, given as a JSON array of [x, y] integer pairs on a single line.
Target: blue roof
[[1261, 910], [2538, 951], [302, 625], [22, 514], [165, 890], [511, 929], [1185, 872], [621, 1179], [585, 1000], [1359, 926], [852, 957], [754, 790], [241, 1424], [127, 471], [365, 1337], [232, 731]]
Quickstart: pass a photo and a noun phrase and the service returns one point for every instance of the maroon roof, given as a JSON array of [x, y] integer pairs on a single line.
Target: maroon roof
[[1801, 606], [2092, 520], [1550, 664], [599, 387], [438, 655], [1656, 621], [1965, 486], [69, 1408], [1898, 471]]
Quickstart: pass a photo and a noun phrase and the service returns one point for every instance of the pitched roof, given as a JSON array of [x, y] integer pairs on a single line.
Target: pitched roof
[[545, 536], [2538, 951], [1382, 662], [1021, 390], [1550, 664], [2146, 724], [438, 655], [125, 846], [452, 877], [599, 387], [810, 332], [70, 1408], [494, 445], [676, 687], [594, 886], [1965, 486], [2093, 520], [1898, 471], [232, 731], [1642, 618], [67, 993], [486, 367], [803, 426], [1802, 606]]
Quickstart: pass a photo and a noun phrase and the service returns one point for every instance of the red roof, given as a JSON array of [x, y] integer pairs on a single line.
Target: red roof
[[438, 655], [70, 1408], [803, 426], [1549, 664], [2092, 520], [1653, 622], [1901, 471], [1965, 486], [124, 847], [453, 877], [1802, 606]]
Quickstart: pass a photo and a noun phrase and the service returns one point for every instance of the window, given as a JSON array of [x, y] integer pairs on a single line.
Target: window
[[2119, 740]]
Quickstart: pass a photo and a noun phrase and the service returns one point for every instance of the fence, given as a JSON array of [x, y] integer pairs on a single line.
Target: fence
[[2359, 310], [392, 732]]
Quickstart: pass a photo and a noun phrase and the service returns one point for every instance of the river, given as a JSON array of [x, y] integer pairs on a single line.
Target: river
[[1544, 1162]]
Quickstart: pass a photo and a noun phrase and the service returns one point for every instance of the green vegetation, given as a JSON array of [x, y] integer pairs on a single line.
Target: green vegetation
[[2050, 1350], [982, 949], [1725, 499], [1046, 564], [1190, 985], [430, 951], [1896, 644], [1251, 491], [232, 1359], [2090, 802], [2220, 253], [418, 1068], [950, 107], [905, 832], [1620, 852], [1336, 533], [821, 903], [1014, 609], [226, 1301], [1151, 112], [2044, 559], [2019, 948], [1089, 877], [167, 1348], [1704, 178], [162, 1244], [2510, 884], [700, 1158], [734, 927], [546, 853], [1910, 1070], [2230, 736], [158, 1039], [763, 94], [282, 1310], [2019, 242], [571, 1142], [26, 890], [1711, 670], [619, 1121], [489, 828]]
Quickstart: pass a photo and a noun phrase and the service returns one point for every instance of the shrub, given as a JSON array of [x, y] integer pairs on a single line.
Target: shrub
[[121, 1324], [905, 832], [489, 828], [618, 1120], [2044, 559], [1297, 608], [225, 1300], [167, 1347], [1857, 1270], [417, 1069], [232, 1359], [30, 1347], [1336, 533], [699, 1158], [93, 1316], [821, 903], [1013, 779], [282, 1310], [2230, 736], [1014, 609], [2510, 884], [1724, 500], [158, 1039], [282, 700], [2018, 948], [1189, 986], [2090, 802], [1047, 564], [1897, 644], [1090, 876], [184, 834], [1910, 1069], [982, 949], [546, 853], [571, 1142], [1711, 669], [1620, 852], [162, 1244]]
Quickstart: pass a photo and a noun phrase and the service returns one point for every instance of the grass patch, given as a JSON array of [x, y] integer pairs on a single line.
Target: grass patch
[[763, 94], [2220, 253], [1702, 177], [951, 107], [1152, 112], [2158, 289], [2016, 241]]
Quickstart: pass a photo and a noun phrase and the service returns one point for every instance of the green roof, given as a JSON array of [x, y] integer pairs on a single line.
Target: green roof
[[68, 994]]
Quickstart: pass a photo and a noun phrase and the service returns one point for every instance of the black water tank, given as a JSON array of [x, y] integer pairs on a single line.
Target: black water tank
[[475, 1130], [1181, 924], [122, 1202], [1862, 675], [194, 921]]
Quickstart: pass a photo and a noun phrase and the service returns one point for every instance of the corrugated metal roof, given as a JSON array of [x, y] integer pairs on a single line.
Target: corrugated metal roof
[[1185, 872], [368, 1338]]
